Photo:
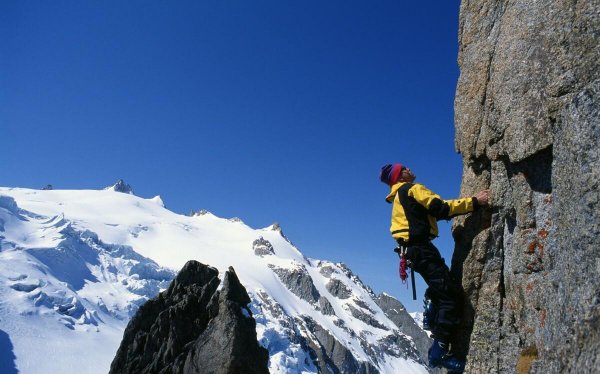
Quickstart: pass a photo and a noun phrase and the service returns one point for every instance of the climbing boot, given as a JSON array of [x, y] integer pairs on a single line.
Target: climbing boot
[[436, 353], [439, 356], [453, 364], [429, 314]]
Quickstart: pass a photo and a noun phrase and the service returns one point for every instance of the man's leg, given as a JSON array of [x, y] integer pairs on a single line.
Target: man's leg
[[429, 312], [443, 290], [445, 293]]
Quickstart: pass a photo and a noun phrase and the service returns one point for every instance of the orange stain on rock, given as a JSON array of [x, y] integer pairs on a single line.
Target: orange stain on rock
[[531, 247], [542, 318], [529, 287]]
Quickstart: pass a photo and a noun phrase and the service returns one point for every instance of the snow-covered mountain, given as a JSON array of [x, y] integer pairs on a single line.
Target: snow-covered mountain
[[76, 264]]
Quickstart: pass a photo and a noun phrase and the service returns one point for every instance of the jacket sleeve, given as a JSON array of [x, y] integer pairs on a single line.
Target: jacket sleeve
[[439, 208]]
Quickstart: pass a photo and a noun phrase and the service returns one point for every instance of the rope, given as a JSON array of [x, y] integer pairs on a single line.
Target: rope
[[402, 267]]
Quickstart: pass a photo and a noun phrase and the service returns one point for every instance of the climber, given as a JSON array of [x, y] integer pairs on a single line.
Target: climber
[[415, 212]]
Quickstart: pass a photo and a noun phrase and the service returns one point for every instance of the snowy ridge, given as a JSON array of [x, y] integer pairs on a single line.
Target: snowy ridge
[[75, 265], [418, 317]]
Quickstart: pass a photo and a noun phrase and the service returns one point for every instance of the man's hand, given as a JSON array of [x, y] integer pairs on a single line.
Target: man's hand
[[483, 197]]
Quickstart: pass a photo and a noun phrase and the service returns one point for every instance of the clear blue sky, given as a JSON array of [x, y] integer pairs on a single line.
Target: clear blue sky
[[265, 110]]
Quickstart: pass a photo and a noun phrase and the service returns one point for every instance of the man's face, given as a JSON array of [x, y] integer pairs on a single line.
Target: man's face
[[406, 175]]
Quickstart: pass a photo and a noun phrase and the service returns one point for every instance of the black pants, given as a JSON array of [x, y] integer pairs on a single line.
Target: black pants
[[444, 290]]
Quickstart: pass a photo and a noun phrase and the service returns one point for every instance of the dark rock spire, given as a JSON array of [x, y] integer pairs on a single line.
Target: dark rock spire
[[121, 186], [193, 328]]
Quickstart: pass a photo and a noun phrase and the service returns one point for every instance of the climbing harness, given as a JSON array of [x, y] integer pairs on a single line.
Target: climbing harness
[[404, 262]]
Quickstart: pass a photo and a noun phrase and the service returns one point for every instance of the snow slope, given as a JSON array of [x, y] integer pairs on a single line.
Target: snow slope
[[76, 264]]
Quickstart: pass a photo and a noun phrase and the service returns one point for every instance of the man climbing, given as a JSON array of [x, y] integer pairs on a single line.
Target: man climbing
[[415, 213]]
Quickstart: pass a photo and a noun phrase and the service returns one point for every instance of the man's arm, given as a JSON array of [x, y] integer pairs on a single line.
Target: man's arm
[[446, 209]]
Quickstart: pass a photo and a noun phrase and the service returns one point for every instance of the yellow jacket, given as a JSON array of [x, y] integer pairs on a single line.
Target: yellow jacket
[[416, 210]]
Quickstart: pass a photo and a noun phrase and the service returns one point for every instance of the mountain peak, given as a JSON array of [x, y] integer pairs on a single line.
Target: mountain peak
[[121, 186], [277, 227], [198, 213]]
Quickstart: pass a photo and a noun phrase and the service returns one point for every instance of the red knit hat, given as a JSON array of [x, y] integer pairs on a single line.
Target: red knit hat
[[390, 173]]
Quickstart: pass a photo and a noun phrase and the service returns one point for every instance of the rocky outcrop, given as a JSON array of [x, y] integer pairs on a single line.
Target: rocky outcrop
[[262, 247], [193, 328], [201, 212], [326, 271], [299, 282], [395, 311], [527, 125], [338, 289], [122, 187], [331, 355], [366, 317], [326, 307]]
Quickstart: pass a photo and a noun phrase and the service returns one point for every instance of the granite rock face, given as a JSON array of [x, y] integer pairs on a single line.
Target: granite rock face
[[528, 127], [193, 328]]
